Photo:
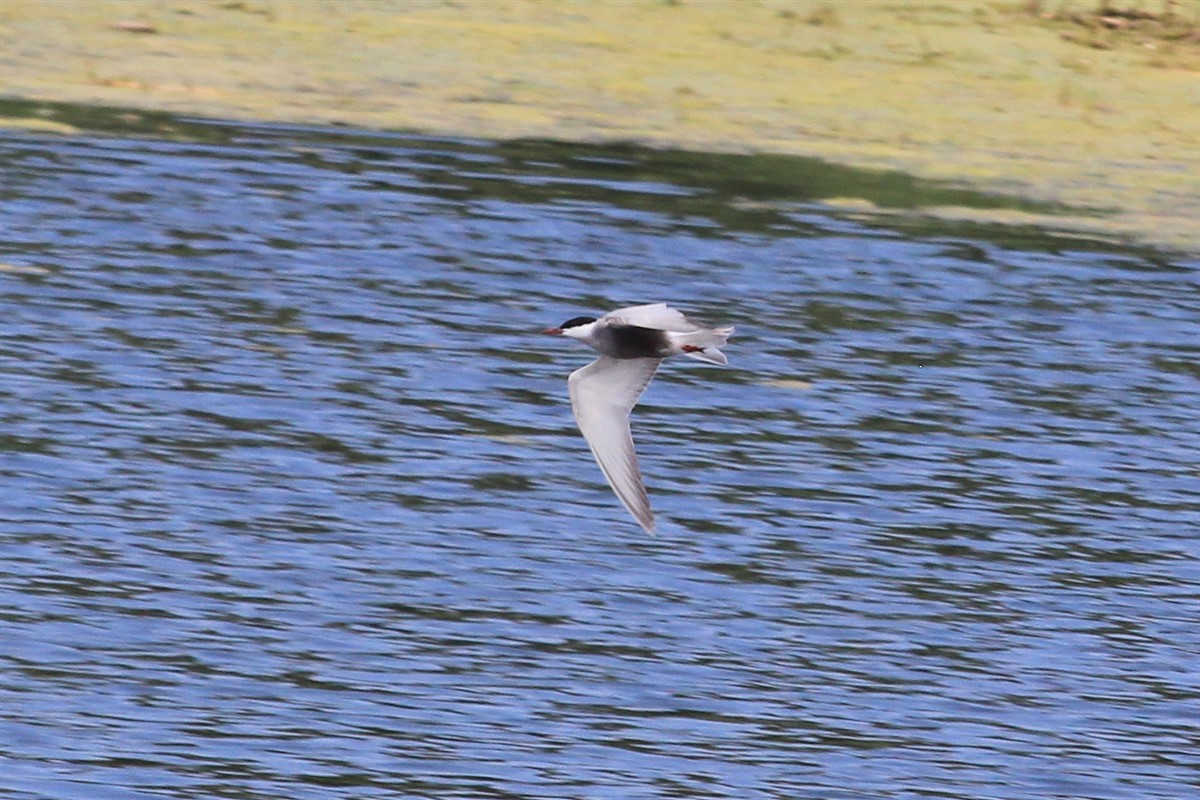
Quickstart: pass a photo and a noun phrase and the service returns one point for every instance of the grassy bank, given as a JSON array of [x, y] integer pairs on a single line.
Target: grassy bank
[[1100, 112]]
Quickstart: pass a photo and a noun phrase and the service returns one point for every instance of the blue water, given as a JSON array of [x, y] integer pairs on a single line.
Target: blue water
[[294, 506]]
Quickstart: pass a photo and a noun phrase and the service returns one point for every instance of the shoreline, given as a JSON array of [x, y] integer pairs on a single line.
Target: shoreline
[[980, 94]]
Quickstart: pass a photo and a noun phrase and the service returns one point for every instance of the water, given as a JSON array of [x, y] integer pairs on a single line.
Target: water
[[294, 505]]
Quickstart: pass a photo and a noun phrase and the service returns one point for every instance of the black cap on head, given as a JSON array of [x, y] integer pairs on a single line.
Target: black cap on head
[[574, 321]]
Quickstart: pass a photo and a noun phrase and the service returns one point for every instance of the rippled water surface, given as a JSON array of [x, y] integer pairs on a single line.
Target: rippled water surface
[[294, 506]]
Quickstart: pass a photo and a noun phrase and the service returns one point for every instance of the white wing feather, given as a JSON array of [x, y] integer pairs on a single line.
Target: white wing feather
[[602, 395], [658, 316]]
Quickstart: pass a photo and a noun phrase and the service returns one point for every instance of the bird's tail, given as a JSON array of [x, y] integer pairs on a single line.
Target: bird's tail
[[703, 344]]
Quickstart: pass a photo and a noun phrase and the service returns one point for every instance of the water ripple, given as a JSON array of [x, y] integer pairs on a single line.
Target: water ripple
[[294, 505]]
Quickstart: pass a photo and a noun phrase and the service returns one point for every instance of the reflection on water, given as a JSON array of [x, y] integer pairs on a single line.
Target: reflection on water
[[294, 505]]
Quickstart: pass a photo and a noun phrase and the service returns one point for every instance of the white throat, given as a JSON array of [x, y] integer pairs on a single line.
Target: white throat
[[581, 332]]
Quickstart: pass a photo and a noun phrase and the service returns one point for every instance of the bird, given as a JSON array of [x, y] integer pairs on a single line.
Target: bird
[[632, 342]]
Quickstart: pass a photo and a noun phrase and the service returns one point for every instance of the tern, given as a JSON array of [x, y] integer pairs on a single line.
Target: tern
[[632, 342]]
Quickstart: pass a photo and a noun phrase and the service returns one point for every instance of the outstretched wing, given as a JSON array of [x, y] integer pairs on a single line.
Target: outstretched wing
[[659, 316], [602, 395]]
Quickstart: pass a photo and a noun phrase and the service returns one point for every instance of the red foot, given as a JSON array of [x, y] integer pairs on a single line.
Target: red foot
[[691, 348]]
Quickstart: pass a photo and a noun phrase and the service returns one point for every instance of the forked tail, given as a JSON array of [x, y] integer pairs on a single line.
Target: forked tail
[[702, 345]]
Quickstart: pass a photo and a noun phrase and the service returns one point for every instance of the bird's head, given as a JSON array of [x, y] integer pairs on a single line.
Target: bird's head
[[576, 328]]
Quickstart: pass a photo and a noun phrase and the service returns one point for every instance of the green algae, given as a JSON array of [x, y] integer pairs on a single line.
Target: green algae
[[762, 194]]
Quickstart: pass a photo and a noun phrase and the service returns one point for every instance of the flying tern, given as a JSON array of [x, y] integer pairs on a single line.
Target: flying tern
[[632, 342]]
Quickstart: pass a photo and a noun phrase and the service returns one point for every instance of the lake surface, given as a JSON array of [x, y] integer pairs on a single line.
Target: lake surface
[[294, 505]]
